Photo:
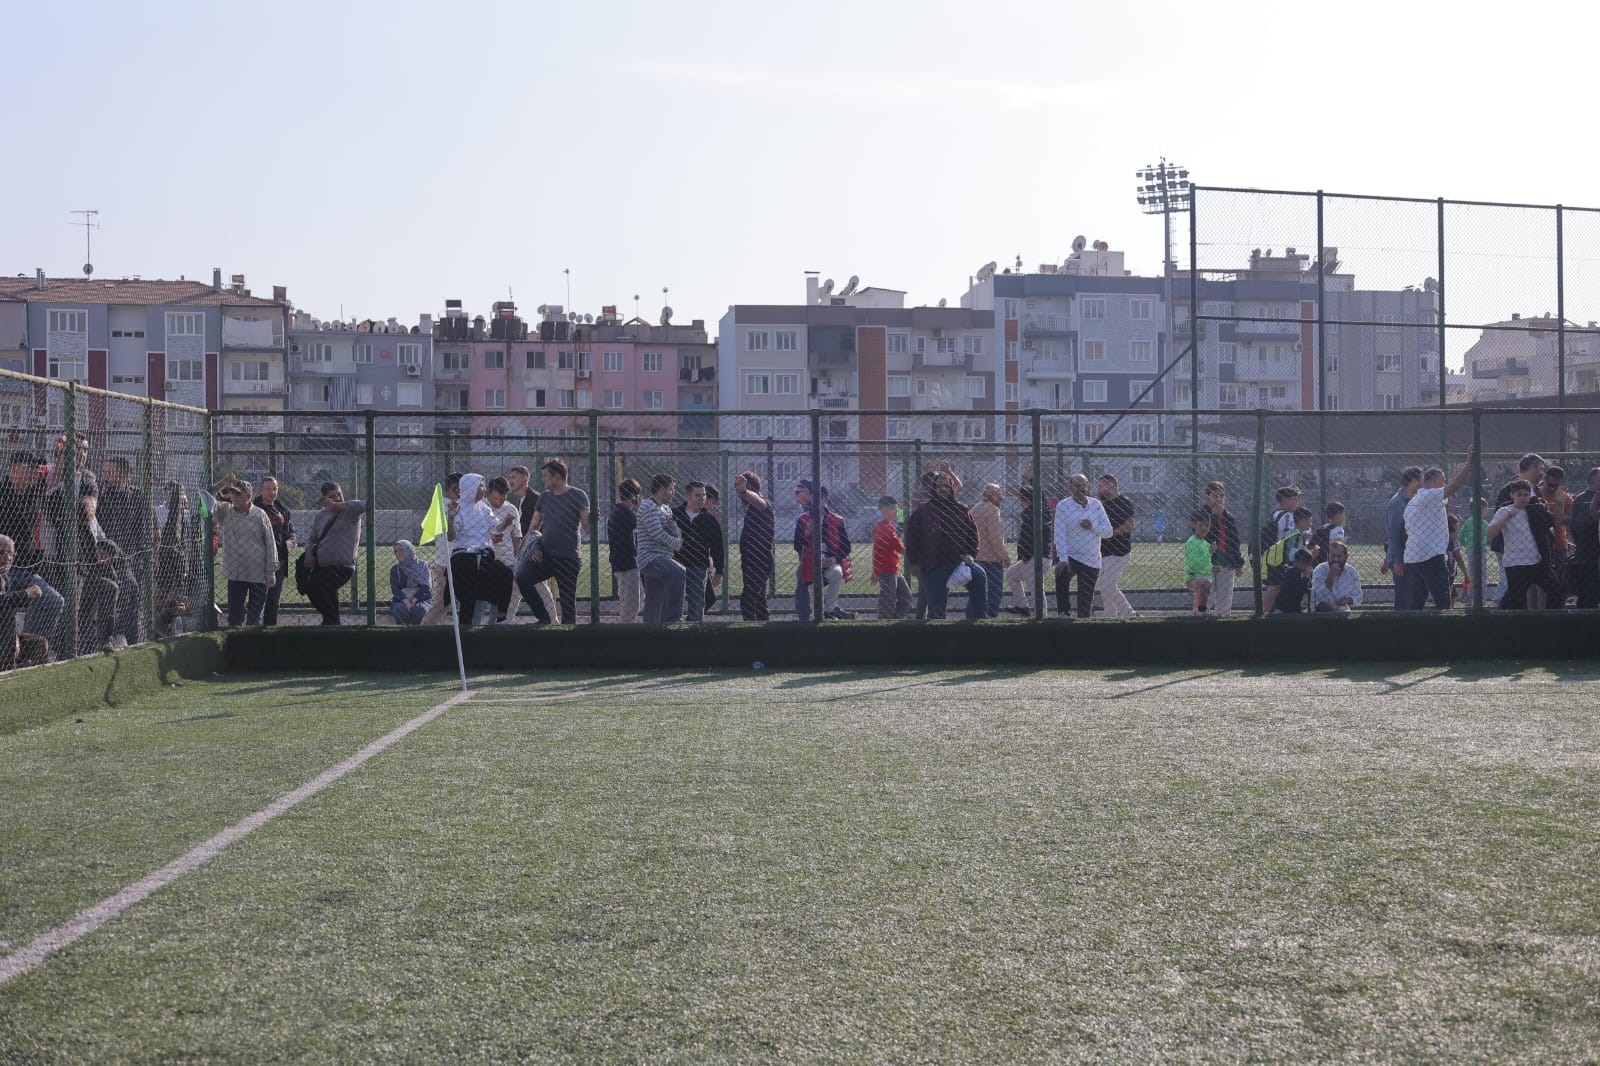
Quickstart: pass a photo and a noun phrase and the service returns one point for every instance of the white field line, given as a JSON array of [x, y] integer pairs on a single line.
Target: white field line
[[86, 922]]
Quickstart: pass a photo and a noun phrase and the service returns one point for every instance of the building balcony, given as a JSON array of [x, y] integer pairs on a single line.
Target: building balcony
[[251, 422], [1048, 369], [1511, 368], [253, 388], [834, 401], [697, 375], [444, 373], [941, 360], [1047, 326], [1279, 330]]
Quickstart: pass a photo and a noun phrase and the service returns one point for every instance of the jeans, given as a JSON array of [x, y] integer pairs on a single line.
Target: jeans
[[994, 587], [269, 616], [1111, 598], [1087, 576], [246, 600], [561, 567], [1019, 577], [935, 588], [894, 597], [1428, 577], [694, 593], [410, 616], [43, 618], [663, 591], [630, 592]]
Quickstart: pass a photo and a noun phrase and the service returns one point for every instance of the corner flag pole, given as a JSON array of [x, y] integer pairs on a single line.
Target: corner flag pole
[[433, 526]]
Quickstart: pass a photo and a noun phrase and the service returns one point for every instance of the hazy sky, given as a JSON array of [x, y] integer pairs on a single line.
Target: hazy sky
[[385, 156]]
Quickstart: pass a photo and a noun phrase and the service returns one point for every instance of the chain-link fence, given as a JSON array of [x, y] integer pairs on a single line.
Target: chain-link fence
[[599, 517]]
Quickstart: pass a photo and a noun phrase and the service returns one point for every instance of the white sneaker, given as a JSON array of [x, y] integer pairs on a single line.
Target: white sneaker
[[119, 643]]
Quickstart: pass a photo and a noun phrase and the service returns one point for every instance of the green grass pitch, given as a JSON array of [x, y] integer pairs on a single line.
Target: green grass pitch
[[967, 865]]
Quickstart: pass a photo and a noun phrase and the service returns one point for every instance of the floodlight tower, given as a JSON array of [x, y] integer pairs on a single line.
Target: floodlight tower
[[1163, 189]]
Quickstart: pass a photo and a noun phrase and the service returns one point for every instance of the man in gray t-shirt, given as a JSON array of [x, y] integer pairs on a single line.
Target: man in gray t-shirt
[[559, 516]]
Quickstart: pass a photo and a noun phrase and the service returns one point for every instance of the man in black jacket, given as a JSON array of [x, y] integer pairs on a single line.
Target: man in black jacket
[[1227, 551], [1584, 532], [703, 555], [283, 533]]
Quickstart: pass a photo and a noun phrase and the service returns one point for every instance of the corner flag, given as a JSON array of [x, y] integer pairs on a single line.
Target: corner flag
[[433, 522]]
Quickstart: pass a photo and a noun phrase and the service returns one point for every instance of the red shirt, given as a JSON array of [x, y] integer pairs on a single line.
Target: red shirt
[[887, 548]]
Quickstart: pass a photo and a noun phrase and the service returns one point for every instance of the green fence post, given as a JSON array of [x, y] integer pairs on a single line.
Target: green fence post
[[1255, 507], [147, 595], [71, 505], [1036, 421], [594, 519], [372, 518], [207, 527], [1479, 571]]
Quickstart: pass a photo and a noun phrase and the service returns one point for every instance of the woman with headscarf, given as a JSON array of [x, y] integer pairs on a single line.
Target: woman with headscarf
[[408, 579], [475, 572]]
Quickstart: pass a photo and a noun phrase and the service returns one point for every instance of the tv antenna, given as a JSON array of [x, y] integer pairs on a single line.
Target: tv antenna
[[90, 223]]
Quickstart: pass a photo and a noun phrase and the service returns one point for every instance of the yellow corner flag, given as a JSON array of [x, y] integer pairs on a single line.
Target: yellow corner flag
[[433, 523]]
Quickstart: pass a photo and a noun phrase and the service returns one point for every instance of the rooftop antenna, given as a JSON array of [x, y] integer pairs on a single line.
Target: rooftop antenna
[[568, 272], [90, 222]]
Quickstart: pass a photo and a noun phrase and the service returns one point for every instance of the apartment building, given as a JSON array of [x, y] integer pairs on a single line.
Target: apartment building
[[933, 369], [1519, 358], [213, 346]]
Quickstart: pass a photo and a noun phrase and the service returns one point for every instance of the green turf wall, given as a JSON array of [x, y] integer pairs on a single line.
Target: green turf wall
[[44, 693]]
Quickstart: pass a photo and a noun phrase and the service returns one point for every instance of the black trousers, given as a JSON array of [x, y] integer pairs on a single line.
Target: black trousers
[[480, 576], [269, 615], [565, 570], [1583, 577], [1088, 577], [322, 586], [1519, 579], [753, 598], [1430, 577]]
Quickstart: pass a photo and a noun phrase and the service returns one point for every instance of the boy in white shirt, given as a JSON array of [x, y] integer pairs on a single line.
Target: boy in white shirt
[[1526, 558]]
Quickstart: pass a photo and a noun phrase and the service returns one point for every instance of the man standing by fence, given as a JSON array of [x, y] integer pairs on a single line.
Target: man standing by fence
[[1427, 537], [560, 516], [1584, 531], [992, 554], [249, 552], [755, 547], [1081, 524], [1394, 543], [1117, 549], [1227, 554]]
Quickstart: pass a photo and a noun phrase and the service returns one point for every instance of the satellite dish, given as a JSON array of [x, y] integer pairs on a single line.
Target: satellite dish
[[666, 315], [88, 268], [941, 301], [588, 319], [1079, 243], [544, 309], [573, 316], [827, 287], [850, 286]]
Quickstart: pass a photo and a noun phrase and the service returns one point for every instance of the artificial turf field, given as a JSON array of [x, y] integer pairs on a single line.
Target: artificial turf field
[[995, 865]]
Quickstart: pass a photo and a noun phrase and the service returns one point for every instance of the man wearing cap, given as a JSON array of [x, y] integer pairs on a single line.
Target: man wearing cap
[[249, 551]]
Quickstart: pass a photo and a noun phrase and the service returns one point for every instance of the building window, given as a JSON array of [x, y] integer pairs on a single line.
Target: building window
[[1390, 322], [494, 359], [922, 345], [1227, 396], [1181, 392], [363, 394], [613, 399], [1011, 432], [583, 398], [248, 370], [1333, 362], [184, 370], [1141, 433], [1050, 433], [1333, 402], [653, 400], [1391, 402], [71, 321], [126, 333], [1011, 392], [1389, 361], [456, 360], [1094, 307], [838, 429], [410, 354], [186, 325], [533, 399], [363, 353], [972, 429], [786, 384], [897, 343], [1094, 351], [1011, 351], [564, 361], [652, 362], [922, 386], [1141, 352], [1142, 474], [1227, 354], [757, 384], [535, 358], [611, 362], [1135, 389], [977, 387], [972, 345], [494, 399], [944, 345], [69, 367], [1094, 391], [1140, 309], [409, 394], [565, 399], [319, 352], [757, 340], [1010, 308], [584, 360], [897, 429], [786, 340], [899, 385], [947, 429]]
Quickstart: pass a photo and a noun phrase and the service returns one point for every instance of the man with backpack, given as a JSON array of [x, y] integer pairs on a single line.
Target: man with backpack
[[1279, 526]]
